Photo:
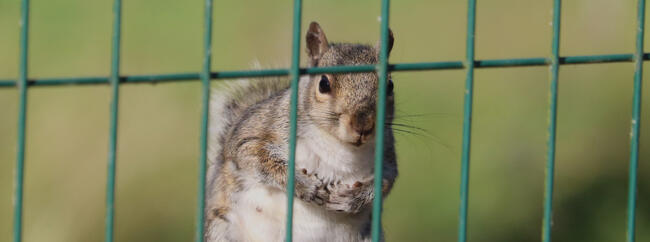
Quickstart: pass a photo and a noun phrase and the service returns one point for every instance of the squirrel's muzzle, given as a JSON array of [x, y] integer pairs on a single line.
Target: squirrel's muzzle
[[363, 124]]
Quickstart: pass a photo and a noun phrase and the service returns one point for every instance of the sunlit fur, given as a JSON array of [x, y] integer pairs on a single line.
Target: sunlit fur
[[249, 134]]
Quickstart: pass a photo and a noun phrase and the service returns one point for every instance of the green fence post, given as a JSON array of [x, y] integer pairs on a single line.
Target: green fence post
[[294, 74], [552, 120], [22, 113], [112, 143], [636, 123], [205, 113], [467, 121], [382, 71]]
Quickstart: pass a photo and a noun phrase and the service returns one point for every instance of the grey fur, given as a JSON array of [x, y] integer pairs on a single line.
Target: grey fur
[[249, 136]]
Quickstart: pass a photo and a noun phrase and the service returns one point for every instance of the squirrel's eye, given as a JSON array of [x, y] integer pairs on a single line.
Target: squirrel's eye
[[324, 85], [390, 87]]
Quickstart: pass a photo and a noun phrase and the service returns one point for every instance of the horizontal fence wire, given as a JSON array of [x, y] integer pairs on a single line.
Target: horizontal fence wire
[[22, 113], [549, 177], [397, 67], [636, 123]]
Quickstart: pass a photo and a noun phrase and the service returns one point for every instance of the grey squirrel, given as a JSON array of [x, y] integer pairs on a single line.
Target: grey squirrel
[[248, 151]]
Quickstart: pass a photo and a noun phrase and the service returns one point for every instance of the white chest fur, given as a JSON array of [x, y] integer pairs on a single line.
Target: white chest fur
[[332, 160], [261, 215], [261, 210]]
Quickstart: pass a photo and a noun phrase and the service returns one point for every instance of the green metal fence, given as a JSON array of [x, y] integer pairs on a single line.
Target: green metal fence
[[554, 60]]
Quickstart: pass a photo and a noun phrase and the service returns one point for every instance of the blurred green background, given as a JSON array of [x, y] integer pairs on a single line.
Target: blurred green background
[[67, 127]]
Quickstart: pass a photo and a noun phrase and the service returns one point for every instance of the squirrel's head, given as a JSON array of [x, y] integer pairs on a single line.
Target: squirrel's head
[[344, 105]]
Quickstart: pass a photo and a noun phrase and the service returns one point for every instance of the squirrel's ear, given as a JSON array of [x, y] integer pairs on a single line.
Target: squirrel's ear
[[391, 40], [316, 43]]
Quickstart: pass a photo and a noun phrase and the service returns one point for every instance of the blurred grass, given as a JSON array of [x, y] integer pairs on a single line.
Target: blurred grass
[[158, 133]]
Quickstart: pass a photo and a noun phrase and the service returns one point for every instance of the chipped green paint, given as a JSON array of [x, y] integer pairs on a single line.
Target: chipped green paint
[[636, 124]]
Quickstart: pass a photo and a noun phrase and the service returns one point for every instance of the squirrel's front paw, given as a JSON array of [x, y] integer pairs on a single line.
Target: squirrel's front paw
[[349, 198], [310, 188]]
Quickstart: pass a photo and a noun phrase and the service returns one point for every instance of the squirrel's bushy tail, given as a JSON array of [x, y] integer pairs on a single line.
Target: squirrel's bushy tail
[[229, 101]]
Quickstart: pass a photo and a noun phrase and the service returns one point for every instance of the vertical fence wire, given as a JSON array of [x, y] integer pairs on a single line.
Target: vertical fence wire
[[382, 69], [112, 143], [205, 109], [294, 73], [467, 121], [636, 123], [552, 121], [22, 113]]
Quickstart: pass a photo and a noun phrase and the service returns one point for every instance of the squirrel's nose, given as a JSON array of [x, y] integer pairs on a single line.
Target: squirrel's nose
[[363, 126], [365, 131]]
